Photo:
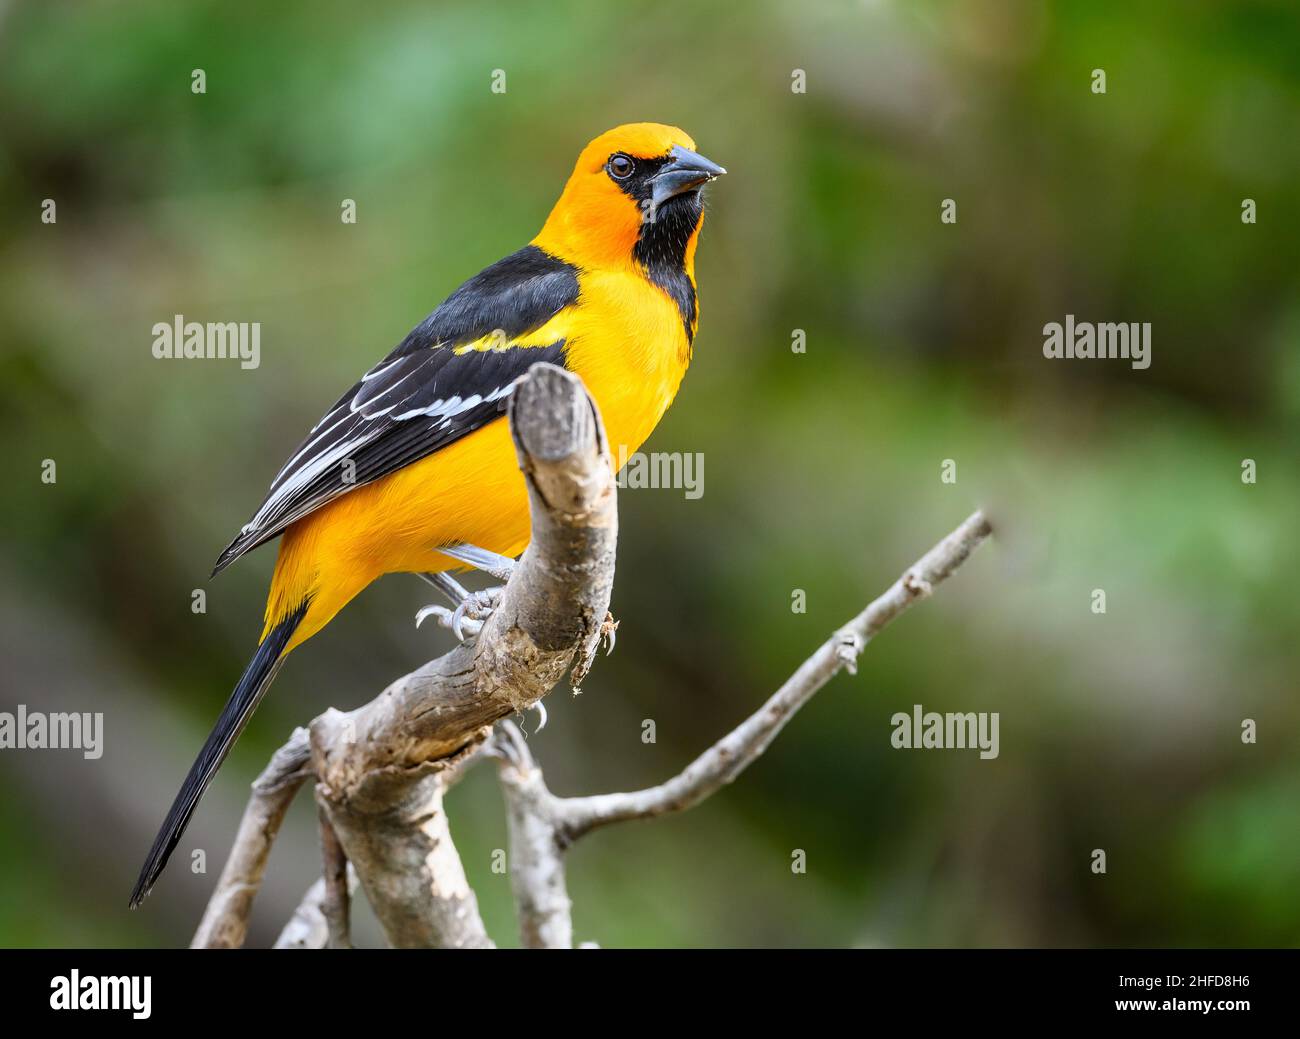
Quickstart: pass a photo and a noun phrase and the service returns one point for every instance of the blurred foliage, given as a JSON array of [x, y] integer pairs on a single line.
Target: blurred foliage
[[1119, 731]]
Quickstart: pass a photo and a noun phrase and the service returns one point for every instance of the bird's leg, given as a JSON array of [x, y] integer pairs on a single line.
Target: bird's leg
[[499, 566], [448, 585], [471, 609]]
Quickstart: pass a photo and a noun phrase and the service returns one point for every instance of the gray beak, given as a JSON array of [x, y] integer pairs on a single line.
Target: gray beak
[[684, 171]]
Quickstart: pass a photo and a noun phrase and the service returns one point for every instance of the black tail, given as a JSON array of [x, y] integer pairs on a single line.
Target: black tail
[[234, 716]]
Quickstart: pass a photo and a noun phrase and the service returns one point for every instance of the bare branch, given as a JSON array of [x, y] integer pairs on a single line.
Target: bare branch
[[225, 922], [383, 770], [401, 846], [381, 767], [308, 928], [542, 902], [541, 826], [732, 754], [337, 904]]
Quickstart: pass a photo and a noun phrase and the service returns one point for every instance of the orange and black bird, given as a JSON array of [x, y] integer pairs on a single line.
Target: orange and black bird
[[413, 469]]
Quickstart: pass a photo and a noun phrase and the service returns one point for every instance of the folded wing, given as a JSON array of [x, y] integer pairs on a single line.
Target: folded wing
[[451, 375]]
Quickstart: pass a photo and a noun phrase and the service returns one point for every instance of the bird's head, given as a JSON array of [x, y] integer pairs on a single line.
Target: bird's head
[[631, 185]]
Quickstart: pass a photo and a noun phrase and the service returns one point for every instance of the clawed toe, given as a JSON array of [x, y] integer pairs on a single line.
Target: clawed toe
[[467, 619], [425, 612], [609, 633], [455, 620]]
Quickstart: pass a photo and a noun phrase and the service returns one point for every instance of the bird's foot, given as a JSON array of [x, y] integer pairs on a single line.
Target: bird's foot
[[467, 618], [469, 609]]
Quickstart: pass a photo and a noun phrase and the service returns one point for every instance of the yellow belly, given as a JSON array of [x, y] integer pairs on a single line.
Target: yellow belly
[[471, 491]]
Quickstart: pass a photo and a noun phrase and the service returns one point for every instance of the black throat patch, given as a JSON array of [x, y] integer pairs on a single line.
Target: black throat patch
[[665, 232], [661, 249]]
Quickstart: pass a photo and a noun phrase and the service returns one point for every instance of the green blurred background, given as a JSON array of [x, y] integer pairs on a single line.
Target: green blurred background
[[1118, 731]]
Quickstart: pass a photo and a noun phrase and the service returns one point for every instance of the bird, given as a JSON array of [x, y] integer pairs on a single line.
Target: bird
[[413, 469]]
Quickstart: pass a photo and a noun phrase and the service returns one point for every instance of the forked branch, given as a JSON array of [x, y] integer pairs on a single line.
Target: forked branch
[[382, 770]]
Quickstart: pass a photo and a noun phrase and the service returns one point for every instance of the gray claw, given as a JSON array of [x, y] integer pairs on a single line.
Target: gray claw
[[460, 620], [441, 612], [457, 619], [609, 633]]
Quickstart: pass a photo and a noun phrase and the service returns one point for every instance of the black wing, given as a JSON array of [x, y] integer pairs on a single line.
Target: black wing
[[424, 395]]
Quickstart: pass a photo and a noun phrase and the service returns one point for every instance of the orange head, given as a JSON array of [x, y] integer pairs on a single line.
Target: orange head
[[634, 197]]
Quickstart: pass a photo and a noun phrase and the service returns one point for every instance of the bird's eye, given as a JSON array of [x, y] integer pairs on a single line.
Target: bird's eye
[[620, 166]]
